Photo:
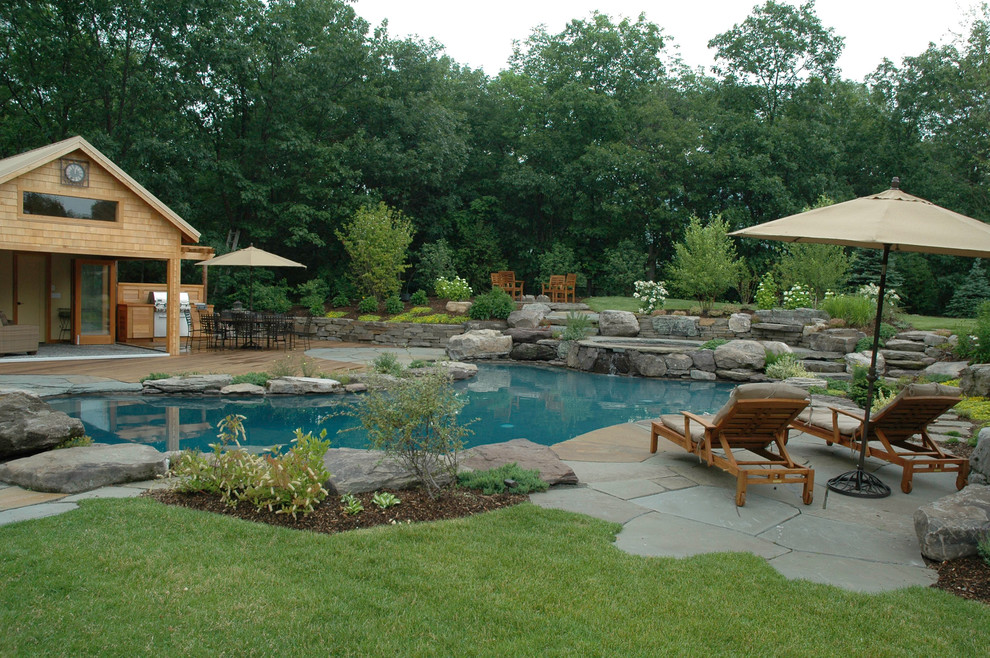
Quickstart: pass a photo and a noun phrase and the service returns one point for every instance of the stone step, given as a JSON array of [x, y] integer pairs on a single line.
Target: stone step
[[905, 345], [823, 366]]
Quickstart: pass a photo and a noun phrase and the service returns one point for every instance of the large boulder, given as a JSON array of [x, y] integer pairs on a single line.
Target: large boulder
[[975, 380], [303, 386], [979, 460], [951, 527], [533, 352], [835, 340], [951, 369], [28, 424], [648, 365], [520, 335], [525, 454], [776, 347], [88, 467], [736, 354], [357, 471], [480, 344], [187, 384], [527, 317], [618, 323], [862, 360], [740, 323], [458, 308]]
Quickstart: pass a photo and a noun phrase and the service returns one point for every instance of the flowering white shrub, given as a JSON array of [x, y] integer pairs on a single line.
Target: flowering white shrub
[[766, 293], [651, 295], [455, 289], [871, 290], [799, 296]]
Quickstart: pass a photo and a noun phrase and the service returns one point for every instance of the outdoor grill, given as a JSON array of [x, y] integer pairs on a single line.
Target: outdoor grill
[[160, 300]]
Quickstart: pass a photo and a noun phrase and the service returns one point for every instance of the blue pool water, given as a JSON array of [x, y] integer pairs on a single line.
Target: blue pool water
[[544, 405]]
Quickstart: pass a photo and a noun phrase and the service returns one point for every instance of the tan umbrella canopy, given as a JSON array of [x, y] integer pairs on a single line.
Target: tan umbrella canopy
[[250, 257], [891, 221]]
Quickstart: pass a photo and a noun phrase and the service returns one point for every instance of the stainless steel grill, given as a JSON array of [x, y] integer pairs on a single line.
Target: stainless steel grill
[[160, 300]]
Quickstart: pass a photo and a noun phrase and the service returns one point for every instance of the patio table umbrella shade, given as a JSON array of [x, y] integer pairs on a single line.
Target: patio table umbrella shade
[[892, 221], [250, 257]]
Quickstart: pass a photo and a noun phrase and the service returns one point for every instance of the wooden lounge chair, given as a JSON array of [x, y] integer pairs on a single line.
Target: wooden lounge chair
[[555, 288], [754, 419], [898, 432]]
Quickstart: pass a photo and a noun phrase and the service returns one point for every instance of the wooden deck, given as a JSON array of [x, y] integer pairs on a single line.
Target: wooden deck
[[233, 362]]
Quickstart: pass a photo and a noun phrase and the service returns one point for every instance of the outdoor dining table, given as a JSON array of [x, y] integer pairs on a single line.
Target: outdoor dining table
[[252, 330]]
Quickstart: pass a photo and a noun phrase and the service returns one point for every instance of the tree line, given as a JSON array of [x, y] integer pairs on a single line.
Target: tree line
[[592, 151]]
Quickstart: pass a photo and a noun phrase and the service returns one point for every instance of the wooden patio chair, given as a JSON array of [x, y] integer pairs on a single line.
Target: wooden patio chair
[[570, 287], [506, 280], [755, 419], [554, 289], [898, 432]]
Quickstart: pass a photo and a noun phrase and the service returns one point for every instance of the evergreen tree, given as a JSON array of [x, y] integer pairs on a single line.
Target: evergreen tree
[[970, 295], [865, 269]]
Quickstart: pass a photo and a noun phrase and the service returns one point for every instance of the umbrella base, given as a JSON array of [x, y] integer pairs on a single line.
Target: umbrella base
[[860, 484]]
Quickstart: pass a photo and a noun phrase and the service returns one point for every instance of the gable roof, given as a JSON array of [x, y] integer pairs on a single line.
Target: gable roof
[[22, 163]]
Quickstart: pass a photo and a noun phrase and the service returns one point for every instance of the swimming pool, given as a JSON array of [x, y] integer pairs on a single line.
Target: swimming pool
[[542, 404]]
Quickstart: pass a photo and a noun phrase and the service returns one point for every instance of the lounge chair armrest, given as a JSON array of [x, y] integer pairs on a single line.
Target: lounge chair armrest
[[846, 412], [698, 419]]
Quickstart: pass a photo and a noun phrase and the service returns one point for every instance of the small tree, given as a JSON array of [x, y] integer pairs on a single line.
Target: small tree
[[970, 294], [415, 421], [376, 239], [821, 267], [436, 260], [705, 264]]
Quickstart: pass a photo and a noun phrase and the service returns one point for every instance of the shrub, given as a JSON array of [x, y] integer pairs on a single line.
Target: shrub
[[784, 365], [75, 442], [455, 289], [577, 326], [890, 298], [855, 310], [798, 296], [387, 363], [368, 305], [766, 292], [419, 298], [492, 480], [558, 260], [340, 299], [622, 266], [394, 305], [415, 422], [376, 239], [819, 267], [705, 264], [980, 341], [286, 484], [713, 343], [370, 317], [858, 387], [351, 504], [436, 259], [271, 298], [313, 295], [983, 547], [651, 295], [256, 378], [495, 304]]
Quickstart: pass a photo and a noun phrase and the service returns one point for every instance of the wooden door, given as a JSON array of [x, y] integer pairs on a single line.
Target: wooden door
[[30, 283], [94, 295]]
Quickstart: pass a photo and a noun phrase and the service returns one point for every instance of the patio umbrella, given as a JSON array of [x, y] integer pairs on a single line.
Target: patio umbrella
[[250, 257], [891, 221]]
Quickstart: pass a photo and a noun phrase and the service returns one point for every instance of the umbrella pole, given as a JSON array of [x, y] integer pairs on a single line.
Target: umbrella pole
[[859, 483]]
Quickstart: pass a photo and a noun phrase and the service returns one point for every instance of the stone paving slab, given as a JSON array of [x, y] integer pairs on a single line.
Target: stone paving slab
[[607, 472], [585, 500], [628, 489], [13, 497], [717, 506], [842, 539], [35, 512], [850, 573], [629, 442], [664, 535], [106, 492], [673, 482]]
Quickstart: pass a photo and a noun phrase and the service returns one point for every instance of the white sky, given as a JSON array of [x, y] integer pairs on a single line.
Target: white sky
[[479, 33]]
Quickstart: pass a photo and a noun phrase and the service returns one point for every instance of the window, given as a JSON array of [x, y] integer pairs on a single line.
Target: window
[[56, 205]]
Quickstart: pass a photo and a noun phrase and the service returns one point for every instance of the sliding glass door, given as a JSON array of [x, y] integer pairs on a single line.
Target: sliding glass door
[[93, 321]]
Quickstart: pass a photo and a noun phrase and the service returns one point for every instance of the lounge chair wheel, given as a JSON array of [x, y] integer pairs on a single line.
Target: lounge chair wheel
[[828, 443], [907, 486], [808, 497]]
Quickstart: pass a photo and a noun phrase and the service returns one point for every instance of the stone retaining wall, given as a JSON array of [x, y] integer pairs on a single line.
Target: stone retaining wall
[[402, 334]]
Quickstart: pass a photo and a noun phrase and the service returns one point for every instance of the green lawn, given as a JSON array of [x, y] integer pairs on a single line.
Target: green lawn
[[133, 577], [930, 323]]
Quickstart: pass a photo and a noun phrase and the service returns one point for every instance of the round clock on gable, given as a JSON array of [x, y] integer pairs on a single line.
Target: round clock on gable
[[74, 173]]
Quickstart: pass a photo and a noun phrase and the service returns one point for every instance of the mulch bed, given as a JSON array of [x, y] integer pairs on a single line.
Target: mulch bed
[[329, 517], [968, 577]]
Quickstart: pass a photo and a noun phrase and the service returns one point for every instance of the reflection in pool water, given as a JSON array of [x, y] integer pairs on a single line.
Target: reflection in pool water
[[544, 405]]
